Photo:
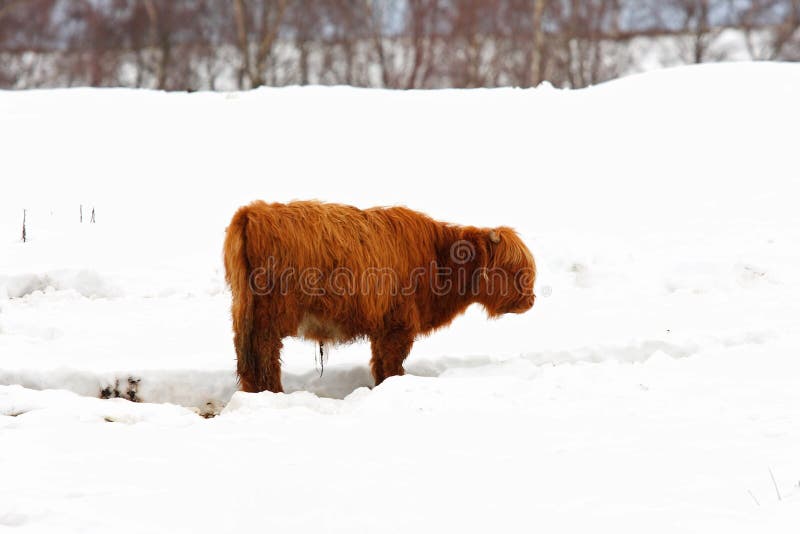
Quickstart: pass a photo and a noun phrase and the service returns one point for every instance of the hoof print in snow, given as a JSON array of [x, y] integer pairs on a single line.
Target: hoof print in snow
[[130, 393]]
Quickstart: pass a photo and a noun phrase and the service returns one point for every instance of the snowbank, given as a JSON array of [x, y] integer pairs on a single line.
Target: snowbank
[[652, 386], [84, 282]]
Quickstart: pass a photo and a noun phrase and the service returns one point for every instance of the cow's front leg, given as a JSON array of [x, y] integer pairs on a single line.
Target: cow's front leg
[[389, 349]]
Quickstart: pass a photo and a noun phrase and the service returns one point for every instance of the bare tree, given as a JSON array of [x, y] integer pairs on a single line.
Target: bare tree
[[190, 44], [25, 26], [694, 21], [305, 23], [423, 25], [158, 14], [586, 34], [376, 19], [93, 49], [771, 27], [257, 25], [787, 36], [472, 43], [537, 54], [7, 6], [348, 30]]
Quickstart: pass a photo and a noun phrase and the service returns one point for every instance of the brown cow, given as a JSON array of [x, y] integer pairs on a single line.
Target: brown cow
[[334, 273]]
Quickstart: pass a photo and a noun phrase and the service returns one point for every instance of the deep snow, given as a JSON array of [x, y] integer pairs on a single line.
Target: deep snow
[[653, 386]]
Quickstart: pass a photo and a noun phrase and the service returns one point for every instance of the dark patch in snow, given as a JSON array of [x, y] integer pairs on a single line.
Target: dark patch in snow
[[208, 411], [130, 393]]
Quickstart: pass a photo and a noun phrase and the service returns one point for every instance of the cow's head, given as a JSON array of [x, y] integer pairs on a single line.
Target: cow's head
[[505, 282]]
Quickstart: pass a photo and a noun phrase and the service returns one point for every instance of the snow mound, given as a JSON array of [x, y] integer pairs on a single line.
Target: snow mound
[[654, 384], [40, 408], [84, 282]]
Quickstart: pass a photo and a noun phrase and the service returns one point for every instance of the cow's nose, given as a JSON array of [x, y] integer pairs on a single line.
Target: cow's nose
[[529, 300]]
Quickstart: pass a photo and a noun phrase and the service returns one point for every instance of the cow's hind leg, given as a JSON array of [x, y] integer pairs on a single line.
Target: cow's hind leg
[[246, 362], [262, 370], [267, 347], [388, 352], [248, 374]]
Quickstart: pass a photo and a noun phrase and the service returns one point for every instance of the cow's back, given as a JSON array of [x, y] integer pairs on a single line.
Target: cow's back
[[339, 264]]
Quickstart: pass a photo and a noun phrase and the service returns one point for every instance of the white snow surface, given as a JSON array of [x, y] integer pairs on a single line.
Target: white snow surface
[[655, 386]]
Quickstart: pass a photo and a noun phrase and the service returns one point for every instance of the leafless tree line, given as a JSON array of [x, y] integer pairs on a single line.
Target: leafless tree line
[[229, 44]]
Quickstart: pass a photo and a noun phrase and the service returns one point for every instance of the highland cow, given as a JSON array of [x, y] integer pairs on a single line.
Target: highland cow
[[333, 273]]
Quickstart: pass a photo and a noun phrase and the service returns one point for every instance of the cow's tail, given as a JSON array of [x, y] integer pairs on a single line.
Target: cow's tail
[[237, 274]]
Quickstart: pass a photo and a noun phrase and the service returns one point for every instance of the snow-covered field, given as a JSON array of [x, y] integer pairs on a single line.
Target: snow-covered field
[[654, 386]]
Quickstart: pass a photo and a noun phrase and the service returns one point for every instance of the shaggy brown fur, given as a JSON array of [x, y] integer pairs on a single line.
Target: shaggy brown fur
[[334, 273]]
